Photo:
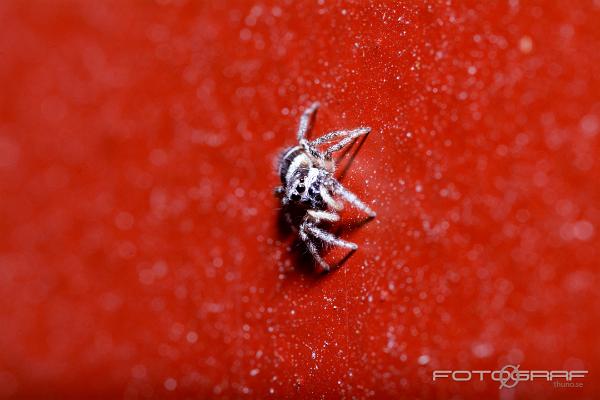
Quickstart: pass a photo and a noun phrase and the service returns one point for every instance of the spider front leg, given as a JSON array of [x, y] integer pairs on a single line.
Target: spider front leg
[[351, 198], [350, 136], [347, 135]]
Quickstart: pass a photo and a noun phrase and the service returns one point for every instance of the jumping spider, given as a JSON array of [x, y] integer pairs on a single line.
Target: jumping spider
[[308, 184]]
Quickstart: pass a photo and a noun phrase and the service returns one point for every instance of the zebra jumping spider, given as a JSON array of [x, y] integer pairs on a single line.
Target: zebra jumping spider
[[308, 184]]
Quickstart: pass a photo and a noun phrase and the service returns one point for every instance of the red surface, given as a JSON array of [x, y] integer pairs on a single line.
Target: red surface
[[140, 252]]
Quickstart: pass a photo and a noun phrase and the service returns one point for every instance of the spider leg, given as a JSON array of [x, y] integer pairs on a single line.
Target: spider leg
[[304, 128], [350, 136], [347, 135], [311, 247], [317, 156], [327, 198], [328, 137], [318, 216], [352, 198], [328, 237], [306, 121]]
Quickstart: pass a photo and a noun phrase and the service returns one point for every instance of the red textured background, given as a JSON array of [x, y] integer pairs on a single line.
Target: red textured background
[[140, 253]]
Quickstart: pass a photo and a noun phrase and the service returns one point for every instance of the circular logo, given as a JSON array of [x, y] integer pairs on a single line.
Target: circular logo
[[509, 377]]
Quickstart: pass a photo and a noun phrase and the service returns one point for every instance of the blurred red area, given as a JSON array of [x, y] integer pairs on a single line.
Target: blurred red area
[[141, 254]]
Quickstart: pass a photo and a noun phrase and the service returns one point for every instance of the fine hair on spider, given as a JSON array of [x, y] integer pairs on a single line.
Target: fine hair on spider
[[308, 184]]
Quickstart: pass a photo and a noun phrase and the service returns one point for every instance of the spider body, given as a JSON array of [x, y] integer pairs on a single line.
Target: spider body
[[309, 184]]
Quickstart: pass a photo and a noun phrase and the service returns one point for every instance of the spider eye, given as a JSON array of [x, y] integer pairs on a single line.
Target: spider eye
[[300, 188], [295, 197]]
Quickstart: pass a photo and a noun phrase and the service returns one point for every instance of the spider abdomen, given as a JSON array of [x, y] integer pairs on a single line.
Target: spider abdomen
[[290, 160]]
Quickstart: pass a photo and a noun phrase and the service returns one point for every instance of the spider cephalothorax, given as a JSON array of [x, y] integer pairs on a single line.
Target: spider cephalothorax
[[308, 183]]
